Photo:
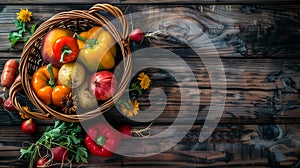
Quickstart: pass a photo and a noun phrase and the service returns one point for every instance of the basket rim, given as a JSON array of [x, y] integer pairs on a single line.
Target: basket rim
[[92, 16]]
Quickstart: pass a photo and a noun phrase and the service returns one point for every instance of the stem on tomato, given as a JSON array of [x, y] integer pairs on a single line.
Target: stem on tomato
[[100, 140], [65, 50], [89, 43], [51, 82]]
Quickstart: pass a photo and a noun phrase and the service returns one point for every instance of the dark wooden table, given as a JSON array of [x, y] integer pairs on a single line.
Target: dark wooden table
[[258, 44]]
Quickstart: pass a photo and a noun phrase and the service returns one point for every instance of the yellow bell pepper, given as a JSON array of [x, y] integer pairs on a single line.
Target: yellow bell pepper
[[97, 49]]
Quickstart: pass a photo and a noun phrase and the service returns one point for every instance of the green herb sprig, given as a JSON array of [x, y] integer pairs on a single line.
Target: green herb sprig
[[21, 34], [67, 135]]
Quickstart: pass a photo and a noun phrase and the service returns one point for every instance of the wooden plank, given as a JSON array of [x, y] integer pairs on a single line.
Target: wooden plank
[[256, 90], [238, 31], [241, 74], [259, 48], [229, 145], [150, 2]]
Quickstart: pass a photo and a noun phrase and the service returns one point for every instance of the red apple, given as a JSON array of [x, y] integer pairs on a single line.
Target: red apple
[[103, 85], [48, 42]]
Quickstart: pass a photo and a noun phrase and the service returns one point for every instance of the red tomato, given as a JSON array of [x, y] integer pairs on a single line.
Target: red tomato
[[65, 49]]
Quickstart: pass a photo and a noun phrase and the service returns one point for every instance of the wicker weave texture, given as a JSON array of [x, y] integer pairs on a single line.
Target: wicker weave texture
[[77, 21]]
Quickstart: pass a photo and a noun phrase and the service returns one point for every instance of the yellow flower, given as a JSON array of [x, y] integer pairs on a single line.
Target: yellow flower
[[136, 104], [24, 15], [130, 112], [22, 115], [145, 80]]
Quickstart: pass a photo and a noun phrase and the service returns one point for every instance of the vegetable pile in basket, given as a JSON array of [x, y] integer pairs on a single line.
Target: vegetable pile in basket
[[71, 60]]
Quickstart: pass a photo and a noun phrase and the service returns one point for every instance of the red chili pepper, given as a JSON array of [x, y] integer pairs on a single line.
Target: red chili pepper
[[102, 140], [66, 49]]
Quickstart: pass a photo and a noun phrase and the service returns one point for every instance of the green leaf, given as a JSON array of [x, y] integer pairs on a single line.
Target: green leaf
[[76, 129], [120, 101], [63, 144], [133, 85], [81, 154], [21, 31], [54, 133], [33, 27], [68, 135], [15, 35], [26, 39], [13, 38], [69, 140], [13, 42], [83, 151], [20, 25], [56, 123], [127, 105], [77, 158], [17, 23], [75, 140], [84, 160], [28, 153], [139, 90]]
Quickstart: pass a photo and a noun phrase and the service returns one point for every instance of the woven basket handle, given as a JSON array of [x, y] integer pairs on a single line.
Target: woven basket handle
[[117, 13], [14, 89]]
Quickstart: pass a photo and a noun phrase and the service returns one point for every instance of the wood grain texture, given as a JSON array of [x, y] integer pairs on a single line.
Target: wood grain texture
[[235, 30], [149, 2], [229, 146], [258, 44]]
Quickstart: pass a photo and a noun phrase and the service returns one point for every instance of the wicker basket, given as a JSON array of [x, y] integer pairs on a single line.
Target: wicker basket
[[78, 21]]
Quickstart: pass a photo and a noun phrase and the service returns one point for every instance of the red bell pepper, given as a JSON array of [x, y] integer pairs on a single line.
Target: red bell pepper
[[102, 140], [65, 49]]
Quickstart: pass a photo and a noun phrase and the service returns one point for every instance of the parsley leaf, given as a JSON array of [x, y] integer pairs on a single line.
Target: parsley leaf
[[18, 35], [67, 135], [33, 27], [14, 37], [135, 86], [20, 25], [26, 39], [26, 153]]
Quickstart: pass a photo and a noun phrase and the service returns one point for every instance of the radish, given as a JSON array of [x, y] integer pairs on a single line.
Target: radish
[[8, 105], [126, 130], [28, 126], [137, 35], [59, 153], [43, 162]]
